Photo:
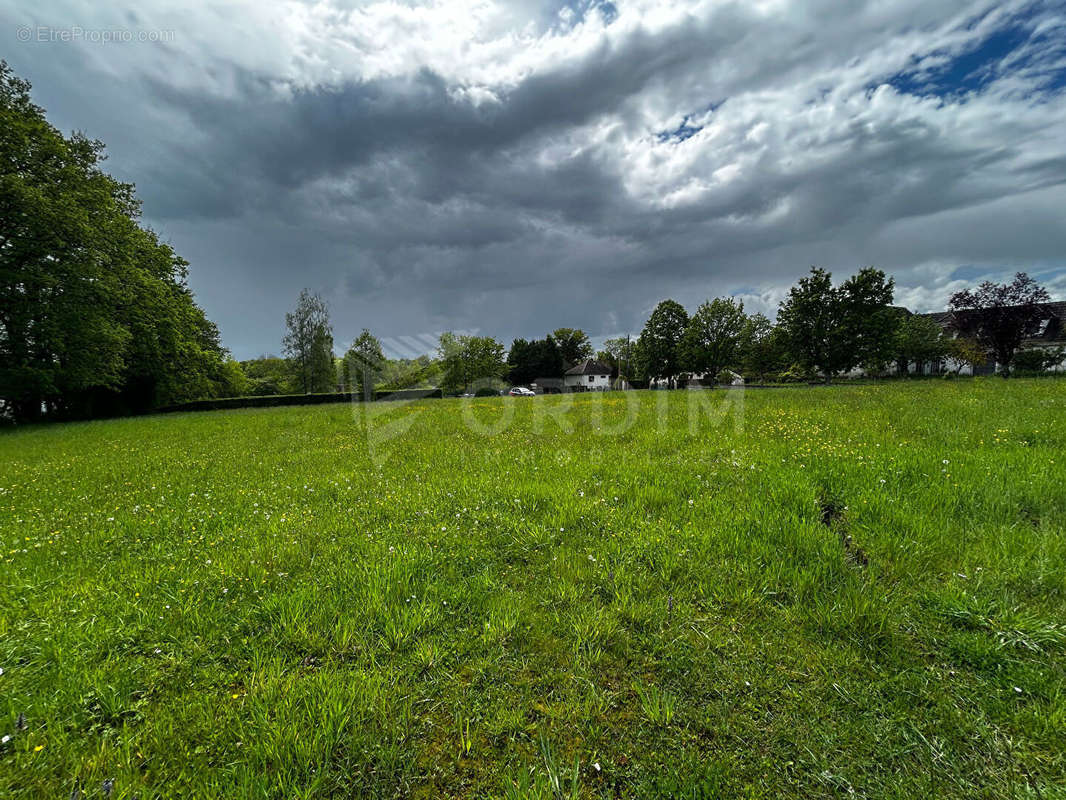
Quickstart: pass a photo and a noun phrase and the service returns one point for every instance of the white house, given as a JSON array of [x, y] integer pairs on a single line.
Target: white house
[[588, 376]]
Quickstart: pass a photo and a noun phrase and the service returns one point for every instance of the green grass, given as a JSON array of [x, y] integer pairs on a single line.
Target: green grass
[[860, 593]]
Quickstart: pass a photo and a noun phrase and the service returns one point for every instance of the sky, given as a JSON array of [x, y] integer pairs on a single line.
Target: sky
[[515, 166]]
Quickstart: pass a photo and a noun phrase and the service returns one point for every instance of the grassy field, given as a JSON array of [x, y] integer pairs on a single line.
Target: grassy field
[[812, 592]]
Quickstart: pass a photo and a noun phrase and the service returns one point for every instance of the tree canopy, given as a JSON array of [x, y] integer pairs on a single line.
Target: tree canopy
[[658, 348], [469, 361], [95, 314], [714, 336], [529, 361], [918, 341], [1000, 316], [363, 364], [833, 329], [574, 345], [309, 343]]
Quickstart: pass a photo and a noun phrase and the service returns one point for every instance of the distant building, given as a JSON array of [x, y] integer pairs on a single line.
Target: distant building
[[588, 376], [1051, 335]]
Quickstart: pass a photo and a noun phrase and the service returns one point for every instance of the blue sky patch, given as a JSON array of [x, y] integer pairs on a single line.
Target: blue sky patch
[[680, 133], [1011, 49]]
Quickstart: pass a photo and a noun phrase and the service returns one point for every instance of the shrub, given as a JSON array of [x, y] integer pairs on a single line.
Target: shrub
[[1037, 360], [270, 401]]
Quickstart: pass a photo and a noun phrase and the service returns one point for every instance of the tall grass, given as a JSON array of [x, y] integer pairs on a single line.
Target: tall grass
[[858, 590]]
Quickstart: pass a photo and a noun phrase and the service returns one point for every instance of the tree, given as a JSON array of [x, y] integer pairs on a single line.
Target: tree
[[868, 320], [713, 337], [658, 348], [918, 341], [95, 315], [618, 354], [309, 343], [965, 350], [466, 360], [810, 321], [422, 372], [234, 383], [268, 375], [1000, 316], [762, 348], [528, 361], [833, 329], [574, 345], [362, 365]]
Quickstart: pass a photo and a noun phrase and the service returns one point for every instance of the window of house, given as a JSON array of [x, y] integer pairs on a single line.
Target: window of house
[[592, 378]]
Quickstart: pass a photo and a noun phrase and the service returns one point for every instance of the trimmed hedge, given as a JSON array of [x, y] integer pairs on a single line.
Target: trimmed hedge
[[269, 401]]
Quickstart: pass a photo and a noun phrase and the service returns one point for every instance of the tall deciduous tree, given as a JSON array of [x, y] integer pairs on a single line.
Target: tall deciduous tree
[[309, 343], [762, 350], [833, 329], [95, 315], [868, 320], [810, 320], [469, 360], [528, 361], [363, 364], [658, 348], [713, 337], [1000, 316], [574, 345]]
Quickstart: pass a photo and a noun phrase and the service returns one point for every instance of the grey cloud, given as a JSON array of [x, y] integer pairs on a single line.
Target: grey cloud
[[417, 211]]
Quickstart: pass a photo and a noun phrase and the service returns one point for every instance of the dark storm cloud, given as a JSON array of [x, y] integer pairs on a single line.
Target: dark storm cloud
[[526, 185]]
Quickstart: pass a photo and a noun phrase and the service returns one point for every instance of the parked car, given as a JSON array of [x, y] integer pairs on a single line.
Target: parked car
[[522, 391]]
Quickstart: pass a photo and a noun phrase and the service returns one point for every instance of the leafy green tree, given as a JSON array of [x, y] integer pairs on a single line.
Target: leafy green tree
[[1000, 316], [810, 320], [966, 351], [618, 353], [713, 337], [422, 372], [528, 361], [762, 349], [233, 382], [268, 375], [95, 315], [466, 360], [520, 362], [868, 320], [919, 340], [658, 348], [833, 329], [574, 345], [309, 344], [363, 364]]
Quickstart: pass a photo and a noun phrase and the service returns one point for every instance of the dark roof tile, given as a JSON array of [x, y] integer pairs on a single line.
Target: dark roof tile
[[589, 366]]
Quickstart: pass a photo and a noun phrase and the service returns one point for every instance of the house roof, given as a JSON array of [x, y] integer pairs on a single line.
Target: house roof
[[1051, 333], [589, 366]]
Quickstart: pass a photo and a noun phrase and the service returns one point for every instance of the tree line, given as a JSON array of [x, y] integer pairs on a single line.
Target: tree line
[[823, 330]]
